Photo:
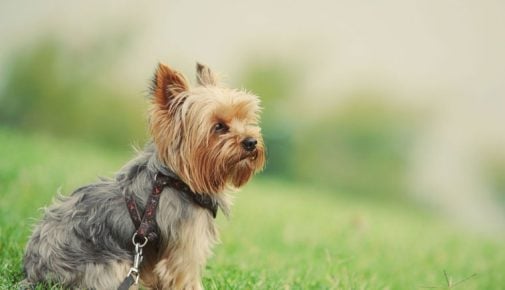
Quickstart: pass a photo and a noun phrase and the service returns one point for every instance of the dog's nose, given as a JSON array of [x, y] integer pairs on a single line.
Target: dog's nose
[[249, 143]]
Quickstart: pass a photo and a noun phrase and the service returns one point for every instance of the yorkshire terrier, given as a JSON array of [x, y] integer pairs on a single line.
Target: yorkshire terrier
[[206, 141]]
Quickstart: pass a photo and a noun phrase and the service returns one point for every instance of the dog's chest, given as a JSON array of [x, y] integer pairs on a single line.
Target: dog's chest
[[187, 236], [180, 221]]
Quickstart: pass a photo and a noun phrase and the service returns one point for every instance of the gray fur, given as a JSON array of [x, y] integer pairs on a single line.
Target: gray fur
[[82, 238]]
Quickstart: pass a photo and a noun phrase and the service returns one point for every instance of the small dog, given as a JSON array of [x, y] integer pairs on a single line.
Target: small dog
[[206, 140]]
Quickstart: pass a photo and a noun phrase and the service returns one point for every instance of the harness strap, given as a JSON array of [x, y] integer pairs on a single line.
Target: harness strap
[[146, 225], [147, 229], [132, 208]]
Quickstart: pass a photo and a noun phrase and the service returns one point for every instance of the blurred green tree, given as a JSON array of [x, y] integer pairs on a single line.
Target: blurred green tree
[[360, 148], [52, 88]]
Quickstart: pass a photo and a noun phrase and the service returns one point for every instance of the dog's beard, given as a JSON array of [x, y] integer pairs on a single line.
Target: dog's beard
[[223, 166], [242, 171], [244, 166]]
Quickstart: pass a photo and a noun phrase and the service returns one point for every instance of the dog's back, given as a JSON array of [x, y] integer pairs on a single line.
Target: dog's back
[[77, 233]]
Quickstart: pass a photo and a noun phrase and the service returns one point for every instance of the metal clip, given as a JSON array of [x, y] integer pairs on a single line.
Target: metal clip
[[137, 259], [138, 256]]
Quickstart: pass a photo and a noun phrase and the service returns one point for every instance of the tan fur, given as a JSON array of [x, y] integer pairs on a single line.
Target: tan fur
[[182, 123], [182, 261], [181, 256], [105, 277]]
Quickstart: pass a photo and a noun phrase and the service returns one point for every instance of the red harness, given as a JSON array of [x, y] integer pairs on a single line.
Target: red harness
[[146, 226]]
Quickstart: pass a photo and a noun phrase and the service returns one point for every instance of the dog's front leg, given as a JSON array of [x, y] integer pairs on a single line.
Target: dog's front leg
[[182, 262], [179, 270]]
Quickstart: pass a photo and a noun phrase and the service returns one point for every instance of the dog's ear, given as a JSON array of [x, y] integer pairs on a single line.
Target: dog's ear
[[167, 83], [204, 76]]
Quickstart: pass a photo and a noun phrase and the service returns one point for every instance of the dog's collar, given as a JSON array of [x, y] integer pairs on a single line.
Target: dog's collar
[[203, 200], [146, 225]]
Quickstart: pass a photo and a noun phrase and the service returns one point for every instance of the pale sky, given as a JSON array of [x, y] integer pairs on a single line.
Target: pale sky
[[455, 46]]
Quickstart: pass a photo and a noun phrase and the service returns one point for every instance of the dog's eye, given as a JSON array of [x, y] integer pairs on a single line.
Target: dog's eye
[[220, 128]]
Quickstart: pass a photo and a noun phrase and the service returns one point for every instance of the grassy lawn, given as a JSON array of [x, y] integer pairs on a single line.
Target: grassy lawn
[[280, 235]]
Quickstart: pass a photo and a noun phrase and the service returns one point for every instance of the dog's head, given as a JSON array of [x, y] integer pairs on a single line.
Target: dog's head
[[209, 135]]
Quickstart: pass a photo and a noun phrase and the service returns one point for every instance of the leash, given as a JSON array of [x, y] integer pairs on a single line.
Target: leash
[[133, 275], [147, 227]]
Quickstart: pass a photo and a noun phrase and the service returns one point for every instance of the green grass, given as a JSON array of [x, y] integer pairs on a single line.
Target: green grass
[[280, 235]]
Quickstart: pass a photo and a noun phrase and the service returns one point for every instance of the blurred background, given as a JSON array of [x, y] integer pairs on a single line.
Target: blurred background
[[393, 102]]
